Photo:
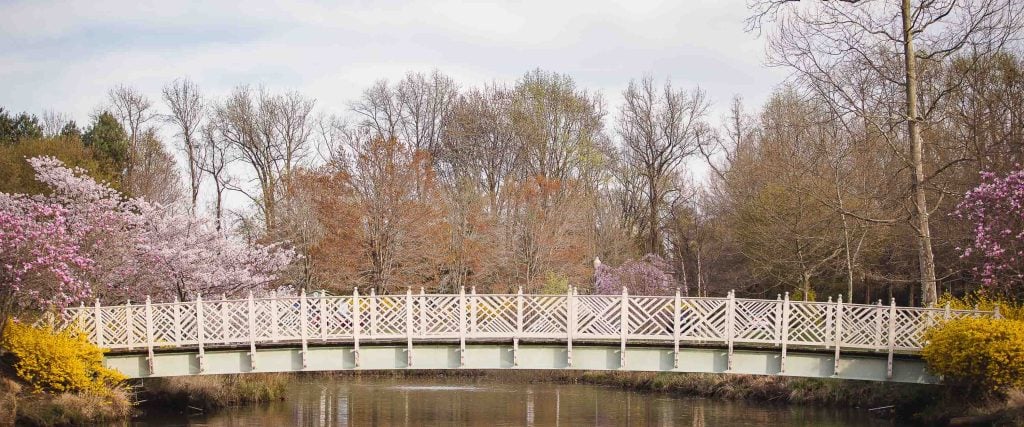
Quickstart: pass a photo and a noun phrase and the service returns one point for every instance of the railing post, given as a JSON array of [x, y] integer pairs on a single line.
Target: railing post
[[177, 322], [777, 329], [892, 337], [623, 326], [224, 317], [785, 332], [839, 333], [98, 318], [677, 309], [129, 332], [519, 327], [373, 312], [200, 330], [275, 331], [322, 303], [473, 303], [570, 324], [408, 326], [251, 307], [356, 318], [462, 327], [946, 314], [149, 334], [304, 325], [996, 314], [879, 311], [730, 315], [423, 313], [828, 322]]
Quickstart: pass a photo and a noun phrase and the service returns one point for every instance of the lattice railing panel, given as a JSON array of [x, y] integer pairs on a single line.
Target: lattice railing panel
[[808, 323], [598, 317], [703, 319], [391, 316], [756, 320], [865, 326], [544, 315], [441, 313], [650, 316], [495, 315]]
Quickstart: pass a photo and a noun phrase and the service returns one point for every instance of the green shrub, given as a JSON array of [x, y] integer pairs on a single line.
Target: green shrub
[[983, 355]]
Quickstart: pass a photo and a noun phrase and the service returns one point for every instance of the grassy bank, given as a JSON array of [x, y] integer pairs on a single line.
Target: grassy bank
[[204, 393], [19, 405]]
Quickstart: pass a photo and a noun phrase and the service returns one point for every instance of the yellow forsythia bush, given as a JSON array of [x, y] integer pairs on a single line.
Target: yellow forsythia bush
[[982, 301], [63, 361], [984, 354]]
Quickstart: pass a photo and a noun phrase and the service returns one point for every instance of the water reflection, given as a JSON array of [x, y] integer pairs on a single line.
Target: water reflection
[[344, 401]]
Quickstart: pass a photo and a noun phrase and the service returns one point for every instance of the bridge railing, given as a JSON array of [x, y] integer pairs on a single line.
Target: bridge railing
[[421, 317]]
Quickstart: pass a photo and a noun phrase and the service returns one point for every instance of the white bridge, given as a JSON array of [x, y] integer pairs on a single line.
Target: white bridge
[[513, 331]]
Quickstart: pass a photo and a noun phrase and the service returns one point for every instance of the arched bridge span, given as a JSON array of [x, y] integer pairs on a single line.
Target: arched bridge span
[[513, 331]]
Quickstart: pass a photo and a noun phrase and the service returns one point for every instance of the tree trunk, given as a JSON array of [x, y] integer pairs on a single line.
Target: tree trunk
[[806, 277], [926, 259]]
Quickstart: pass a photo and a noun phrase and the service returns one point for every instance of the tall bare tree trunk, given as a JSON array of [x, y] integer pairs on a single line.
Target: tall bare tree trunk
[[926, 258]]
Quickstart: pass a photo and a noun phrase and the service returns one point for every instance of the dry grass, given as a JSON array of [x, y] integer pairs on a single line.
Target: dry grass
[[66, 409], [209, 392], [8, 401]]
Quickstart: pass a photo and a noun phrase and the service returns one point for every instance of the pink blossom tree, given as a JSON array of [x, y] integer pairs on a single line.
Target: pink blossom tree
[[995, 209], [84, 239], [647, 276]]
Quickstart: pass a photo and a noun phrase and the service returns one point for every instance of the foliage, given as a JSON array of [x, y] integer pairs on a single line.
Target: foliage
[[555, 283], [995, 209], [647, 276], [58, 249], [19, 176], [108, 139], [63, 361], [983, 301], [14, 129], [983, 355], [41, 247]]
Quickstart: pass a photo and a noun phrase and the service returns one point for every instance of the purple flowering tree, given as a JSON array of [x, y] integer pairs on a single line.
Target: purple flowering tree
[[647, 276], [995, 209], [85, 239]]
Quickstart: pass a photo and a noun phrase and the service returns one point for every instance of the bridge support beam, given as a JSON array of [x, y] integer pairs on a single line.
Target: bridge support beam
[[531, 356]]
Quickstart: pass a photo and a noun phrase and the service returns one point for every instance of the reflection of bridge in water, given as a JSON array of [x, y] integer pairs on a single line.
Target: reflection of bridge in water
[[515, 331]]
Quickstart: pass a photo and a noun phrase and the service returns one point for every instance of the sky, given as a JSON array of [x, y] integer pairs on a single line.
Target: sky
[[65, 55]]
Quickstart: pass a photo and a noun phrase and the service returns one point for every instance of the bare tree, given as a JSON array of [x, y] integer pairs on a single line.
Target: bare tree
[[659, 129], [54, 122], [217, 155], [156, 174], [825, 40], [188, 109], [133, 110], [269, 133], [294, 127]]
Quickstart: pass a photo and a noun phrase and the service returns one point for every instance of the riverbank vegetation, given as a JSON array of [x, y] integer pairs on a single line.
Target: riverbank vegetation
[[207, 393], [53, 377]]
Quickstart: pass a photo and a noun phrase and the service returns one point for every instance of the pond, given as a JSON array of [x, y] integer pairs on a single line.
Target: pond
[[415, 401]]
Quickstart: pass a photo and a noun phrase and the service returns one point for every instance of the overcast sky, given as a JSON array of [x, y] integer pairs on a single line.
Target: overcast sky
[[65, 55]]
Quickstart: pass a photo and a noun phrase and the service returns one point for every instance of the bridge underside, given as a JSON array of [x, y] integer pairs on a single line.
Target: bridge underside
[[528, 356]]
